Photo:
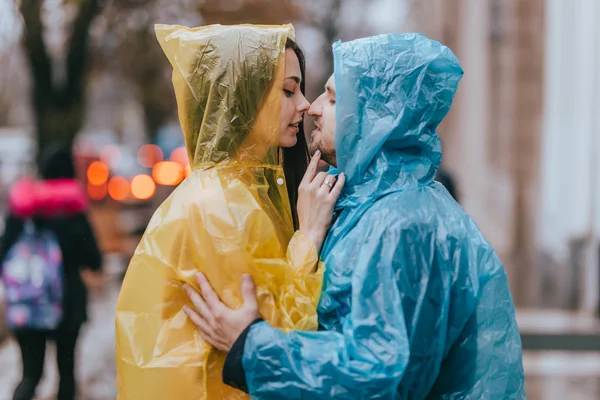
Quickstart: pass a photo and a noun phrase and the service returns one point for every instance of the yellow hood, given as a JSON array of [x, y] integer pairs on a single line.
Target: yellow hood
[[223, 76], [229, 217]]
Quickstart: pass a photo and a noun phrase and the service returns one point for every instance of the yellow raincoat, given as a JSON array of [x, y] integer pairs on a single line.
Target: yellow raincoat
[[229, 217]]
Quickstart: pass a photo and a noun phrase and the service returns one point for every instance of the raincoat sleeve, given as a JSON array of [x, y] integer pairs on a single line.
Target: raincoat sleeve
[[407, 304], [302, 255], [368, 357], [485, 361]]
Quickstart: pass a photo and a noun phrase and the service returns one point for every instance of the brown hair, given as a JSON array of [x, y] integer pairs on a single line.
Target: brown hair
[[296, 158]]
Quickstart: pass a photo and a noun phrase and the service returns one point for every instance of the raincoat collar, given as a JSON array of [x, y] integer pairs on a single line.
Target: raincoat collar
[[392, 91]]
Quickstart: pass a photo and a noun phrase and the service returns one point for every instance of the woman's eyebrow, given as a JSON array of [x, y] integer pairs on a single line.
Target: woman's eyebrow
[[294, 78]]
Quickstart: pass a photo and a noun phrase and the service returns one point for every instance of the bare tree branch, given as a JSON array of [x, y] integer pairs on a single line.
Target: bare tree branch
[[79, 49], [35, 49], [329, 27]]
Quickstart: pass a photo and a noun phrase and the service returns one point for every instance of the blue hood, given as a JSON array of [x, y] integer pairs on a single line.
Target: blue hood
[[394, 90]]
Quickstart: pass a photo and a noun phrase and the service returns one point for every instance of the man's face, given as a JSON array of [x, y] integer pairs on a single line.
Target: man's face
[[323, 111]]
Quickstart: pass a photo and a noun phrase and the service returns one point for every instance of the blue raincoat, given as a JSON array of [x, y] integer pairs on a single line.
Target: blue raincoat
[[415, 302]]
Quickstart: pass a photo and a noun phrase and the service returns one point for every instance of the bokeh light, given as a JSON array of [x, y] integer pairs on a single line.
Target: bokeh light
[[97, 192], [180, 156], [149, 155], [143, 187], [111, 156], [168, 173], [118, 188], [97, 173]]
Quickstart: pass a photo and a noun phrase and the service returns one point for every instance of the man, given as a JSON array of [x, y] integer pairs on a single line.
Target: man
[[415, 302]]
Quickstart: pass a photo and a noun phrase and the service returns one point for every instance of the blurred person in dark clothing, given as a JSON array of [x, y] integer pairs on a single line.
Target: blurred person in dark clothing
[[50, 213], [444, 177]]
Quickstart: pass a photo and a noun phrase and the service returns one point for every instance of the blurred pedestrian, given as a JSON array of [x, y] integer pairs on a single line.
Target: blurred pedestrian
[[48, 251], [444, 177]]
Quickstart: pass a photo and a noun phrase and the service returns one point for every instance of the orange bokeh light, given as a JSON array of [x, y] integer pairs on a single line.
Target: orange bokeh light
[[149, 155], [118, 188], [168, 173], [180, 156], [97, 192], [97, 173], [143, 187]]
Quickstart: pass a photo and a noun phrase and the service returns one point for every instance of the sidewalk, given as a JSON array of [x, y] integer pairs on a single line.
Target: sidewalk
[[95, 354]]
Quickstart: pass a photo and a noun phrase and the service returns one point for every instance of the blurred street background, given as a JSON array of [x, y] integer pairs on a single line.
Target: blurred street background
[[521, 143]]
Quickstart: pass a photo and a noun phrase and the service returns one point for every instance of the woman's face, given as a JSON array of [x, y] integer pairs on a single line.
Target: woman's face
[[293, 103]]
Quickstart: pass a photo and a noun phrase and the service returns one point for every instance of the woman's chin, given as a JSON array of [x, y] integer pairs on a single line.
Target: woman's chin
[[288, 141]]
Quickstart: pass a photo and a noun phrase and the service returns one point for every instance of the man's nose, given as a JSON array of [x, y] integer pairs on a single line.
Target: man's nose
[[316, 109]]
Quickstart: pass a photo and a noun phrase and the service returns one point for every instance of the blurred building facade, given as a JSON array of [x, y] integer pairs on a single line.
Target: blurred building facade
[[521, 138], [569, 228]]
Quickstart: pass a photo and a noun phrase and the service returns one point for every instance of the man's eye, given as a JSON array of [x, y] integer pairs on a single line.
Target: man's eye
[[289, 93], [332, 101]]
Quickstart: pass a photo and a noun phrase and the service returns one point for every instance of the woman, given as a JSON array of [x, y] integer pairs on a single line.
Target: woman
[[240, 97], [53, 209]]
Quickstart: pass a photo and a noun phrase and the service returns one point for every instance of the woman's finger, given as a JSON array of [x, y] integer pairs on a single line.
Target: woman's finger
[[337, 188], [210, 297], [199, 303], [328, 183], [311, 171], [319, 179]]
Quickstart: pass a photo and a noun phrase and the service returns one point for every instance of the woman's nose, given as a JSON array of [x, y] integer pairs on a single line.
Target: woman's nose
[[303, 104]]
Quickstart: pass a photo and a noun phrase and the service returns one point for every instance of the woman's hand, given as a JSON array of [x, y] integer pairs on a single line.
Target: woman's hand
[[317, 195]]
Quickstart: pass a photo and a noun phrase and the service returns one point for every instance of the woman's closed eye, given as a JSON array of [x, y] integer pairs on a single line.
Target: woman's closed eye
[[289, 93]]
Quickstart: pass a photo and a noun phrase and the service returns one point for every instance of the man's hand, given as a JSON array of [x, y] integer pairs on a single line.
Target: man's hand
[[219, 325]]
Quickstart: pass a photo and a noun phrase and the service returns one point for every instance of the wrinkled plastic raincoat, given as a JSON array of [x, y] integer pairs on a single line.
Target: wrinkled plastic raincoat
[[415, 302], [229, 217]]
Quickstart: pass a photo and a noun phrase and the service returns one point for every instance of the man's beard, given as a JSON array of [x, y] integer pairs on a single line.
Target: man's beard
[[327, 154]]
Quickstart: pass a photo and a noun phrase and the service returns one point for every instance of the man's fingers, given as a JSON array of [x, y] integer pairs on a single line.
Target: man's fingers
[[311, 171], [208, 293], [249, 292], [197, 320], [198, 302], [207, 333], [337, 188]]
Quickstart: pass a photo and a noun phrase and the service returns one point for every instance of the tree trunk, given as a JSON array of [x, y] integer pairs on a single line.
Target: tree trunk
[[59, 107]]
